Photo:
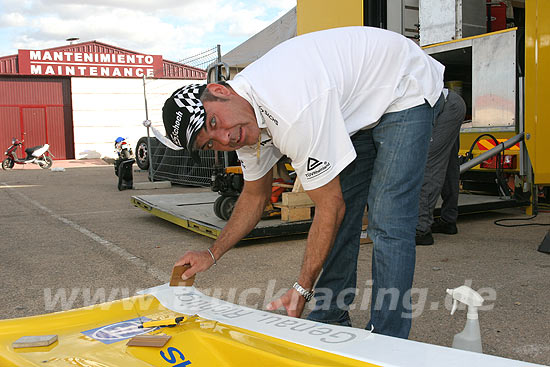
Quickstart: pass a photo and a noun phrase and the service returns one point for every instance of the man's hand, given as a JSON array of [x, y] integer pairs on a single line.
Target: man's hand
[[245, 216], [197, 260], [292, 301], [329, 212]]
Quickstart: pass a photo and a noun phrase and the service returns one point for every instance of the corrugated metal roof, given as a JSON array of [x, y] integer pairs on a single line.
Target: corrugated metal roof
[[172, 70], [8, 65]]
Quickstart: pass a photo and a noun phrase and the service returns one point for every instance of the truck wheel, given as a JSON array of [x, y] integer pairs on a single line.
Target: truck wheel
[[7, 164], [217, 205], [142, 159], [227, 206]]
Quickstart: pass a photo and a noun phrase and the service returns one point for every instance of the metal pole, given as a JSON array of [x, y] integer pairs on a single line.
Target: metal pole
[[149, 151], [219, 78], [491, 153], [219, 60]]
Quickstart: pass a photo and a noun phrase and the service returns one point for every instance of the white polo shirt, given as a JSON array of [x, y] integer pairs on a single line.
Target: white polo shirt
[[312, 92]]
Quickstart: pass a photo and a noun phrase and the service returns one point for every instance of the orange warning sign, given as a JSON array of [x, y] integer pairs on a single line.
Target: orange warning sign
[[487, 144]]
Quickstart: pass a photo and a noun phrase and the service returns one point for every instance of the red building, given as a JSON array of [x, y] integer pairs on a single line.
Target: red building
[[77, 97]]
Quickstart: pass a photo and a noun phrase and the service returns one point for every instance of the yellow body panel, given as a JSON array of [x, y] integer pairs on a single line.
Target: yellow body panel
[[537, 87], [316, 15], [199, 342]]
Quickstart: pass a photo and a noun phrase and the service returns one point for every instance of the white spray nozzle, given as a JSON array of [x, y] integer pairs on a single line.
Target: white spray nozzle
[[467, 296]]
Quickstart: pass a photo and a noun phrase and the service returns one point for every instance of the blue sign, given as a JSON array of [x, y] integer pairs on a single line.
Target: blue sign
[[123, 330]]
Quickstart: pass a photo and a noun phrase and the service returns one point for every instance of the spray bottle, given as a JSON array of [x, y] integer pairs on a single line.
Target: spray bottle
[[470, 337]]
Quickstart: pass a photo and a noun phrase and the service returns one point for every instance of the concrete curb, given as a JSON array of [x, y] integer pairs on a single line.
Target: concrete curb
[[152, 185]]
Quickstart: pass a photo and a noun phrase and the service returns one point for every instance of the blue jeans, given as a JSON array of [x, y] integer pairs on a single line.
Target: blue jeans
[[387, 174]]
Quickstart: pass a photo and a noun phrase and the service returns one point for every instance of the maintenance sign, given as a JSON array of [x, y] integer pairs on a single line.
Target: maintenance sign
[[89, 64]]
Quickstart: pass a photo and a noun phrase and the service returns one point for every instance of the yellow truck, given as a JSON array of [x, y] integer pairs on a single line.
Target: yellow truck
[[505, 95]]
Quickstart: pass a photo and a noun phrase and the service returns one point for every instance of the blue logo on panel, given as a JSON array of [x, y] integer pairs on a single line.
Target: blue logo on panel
[[113, 333]]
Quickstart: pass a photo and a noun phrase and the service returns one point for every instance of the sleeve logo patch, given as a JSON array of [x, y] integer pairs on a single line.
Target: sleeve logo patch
[[269, 115], [316, 167]]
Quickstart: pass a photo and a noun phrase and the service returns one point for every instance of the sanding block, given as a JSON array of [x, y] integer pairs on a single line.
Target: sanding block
[[175, 279], [148, 341], [30, 341]]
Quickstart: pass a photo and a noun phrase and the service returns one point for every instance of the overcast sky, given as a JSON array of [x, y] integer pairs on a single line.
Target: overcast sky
[[175, 29]]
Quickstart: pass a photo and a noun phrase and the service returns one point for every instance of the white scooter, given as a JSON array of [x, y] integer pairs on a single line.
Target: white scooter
[[38, 155]]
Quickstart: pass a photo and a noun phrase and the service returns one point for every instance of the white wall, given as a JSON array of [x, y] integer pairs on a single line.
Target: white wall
[[106, 108]]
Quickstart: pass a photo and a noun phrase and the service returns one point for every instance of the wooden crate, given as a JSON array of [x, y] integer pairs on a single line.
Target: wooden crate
[[295, 206], [296, 199], [294, 213]]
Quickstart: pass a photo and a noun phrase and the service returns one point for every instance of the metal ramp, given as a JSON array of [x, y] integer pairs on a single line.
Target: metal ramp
[[196, 212]]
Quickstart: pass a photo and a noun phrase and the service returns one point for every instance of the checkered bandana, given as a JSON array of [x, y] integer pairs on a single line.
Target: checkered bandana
[[184, 116]]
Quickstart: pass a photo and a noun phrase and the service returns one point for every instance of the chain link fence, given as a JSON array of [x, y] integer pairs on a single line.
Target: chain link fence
[[178, 167], [203, 59]]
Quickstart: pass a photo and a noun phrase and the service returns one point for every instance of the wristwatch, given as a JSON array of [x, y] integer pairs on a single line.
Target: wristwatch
[[308, 295]]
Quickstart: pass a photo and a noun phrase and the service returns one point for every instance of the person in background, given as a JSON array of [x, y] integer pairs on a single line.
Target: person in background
[[442, 173]]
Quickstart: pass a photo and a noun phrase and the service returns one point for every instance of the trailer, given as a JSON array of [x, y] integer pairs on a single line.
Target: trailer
[[500, 71]]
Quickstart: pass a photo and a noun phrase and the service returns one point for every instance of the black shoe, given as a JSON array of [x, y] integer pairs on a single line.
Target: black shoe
[[440, 226], [424, 239]]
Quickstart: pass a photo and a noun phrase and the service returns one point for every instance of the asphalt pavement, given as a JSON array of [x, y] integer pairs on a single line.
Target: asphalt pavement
[[70, 239]]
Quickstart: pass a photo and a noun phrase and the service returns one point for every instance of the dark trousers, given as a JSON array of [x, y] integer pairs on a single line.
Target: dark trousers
[[442, 171]]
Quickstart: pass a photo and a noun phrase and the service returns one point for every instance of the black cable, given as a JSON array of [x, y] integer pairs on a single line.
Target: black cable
[[498, 164], [495, 140], [479, 138], [497, 222]]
